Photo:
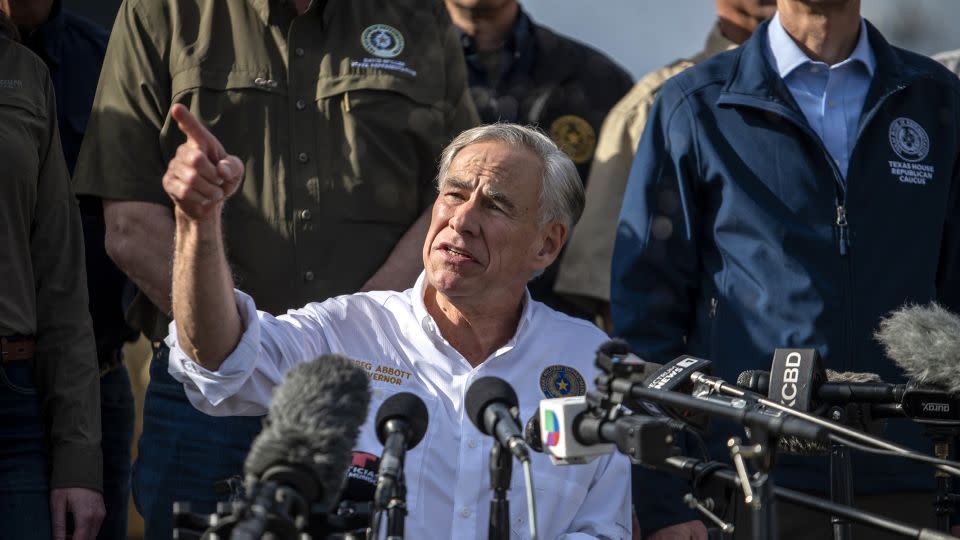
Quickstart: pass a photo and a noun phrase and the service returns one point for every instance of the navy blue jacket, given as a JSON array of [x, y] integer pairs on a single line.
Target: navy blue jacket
[[737, 234]]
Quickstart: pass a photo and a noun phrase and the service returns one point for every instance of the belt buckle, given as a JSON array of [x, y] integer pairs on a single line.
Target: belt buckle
[[13, 349]]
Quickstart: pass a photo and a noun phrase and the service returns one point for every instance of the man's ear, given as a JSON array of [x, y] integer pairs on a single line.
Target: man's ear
[[554, 235]]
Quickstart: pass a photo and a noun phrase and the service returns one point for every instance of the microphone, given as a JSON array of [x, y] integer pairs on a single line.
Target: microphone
[[841, 387], [301, 457], [531, 432], [924, 341], [675, 377], [401, 424], [492, 406], [797, 380], [925, 404], [575, 430], [558, 434], [755, 380]]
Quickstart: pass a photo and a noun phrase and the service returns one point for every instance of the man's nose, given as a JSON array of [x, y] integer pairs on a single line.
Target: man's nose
[[465, 217]]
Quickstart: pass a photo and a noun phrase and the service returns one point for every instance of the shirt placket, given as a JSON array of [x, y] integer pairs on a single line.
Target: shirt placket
[[834, 119], [303, 57], [473, 456]]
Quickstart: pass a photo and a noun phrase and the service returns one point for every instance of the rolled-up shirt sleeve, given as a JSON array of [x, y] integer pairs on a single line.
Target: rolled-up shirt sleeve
[[269, 346]]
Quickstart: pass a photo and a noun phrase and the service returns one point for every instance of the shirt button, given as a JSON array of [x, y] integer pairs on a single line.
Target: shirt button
[[301, 104], [465, 512], [472, 443], [298, 51], [308, 276], [305, 215], [303, 157]]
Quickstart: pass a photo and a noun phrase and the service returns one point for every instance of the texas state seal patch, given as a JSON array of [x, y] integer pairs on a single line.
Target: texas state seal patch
[[575, 136], [382, 40], [562, 381]]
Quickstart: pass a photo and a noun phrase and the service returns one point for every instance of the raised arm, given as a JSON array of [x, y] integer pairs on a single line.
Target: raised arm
[[199, 179]]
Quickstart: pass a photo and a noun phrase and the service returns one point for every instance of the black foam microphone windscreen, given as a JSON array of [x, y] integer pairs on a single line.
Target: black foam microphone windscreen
[[924, 341], [484, 392], [312, 425], [408, 408]]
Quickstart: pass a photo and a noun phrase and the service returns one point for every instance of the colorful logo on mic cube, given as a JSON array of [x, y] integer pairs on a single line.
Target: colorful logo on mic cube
[[552, 427]]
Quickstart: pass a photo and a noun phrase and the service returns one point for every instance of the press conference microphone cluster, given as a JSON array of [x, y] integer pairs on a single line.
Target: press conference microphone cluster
[[766, 417], [297, 464]]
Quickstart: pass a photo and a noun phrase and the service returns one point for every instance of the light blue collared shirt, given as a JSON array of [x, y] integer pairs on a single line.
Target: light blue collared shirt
[[831, 97]]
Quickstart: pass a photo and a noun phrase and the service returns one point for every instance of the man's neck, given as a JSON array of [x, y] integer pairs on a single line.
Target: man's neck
[[488, 27], [826, 33], [475, 331], [28, 15], [302, 6]]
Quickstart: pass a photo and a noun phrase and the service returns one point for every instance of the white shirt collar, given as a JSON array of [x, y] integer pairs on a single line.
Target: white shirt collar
[[429, 325], [787, 56]]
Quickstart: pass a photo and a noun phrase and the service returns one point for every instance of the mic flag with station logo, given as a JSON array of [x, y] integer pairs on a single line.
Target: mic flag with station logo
[[794, 376]]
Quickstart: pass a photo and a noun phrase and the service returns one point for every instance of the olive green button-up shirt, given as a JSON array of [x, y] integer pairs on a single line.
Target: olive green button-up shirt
[[43, 291], [339, 115]]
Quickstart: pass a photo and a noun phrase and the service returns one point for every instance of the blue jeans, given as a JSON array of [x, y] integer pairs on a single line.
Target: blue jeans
[[183, 452], [116, 417], [24, 479]]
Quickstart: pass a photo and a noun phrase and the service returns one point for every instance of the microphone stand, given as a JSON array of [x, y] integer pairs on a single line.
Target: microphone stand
[[397, 510], [943, 505], [758, 489], [709, 473], [501, 471], [841, 480]]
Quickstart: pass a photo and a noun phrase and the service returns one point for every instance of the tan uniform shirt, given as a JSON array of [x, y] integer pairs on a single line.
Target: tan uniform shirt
[[43, 287], [585, 268], [339, 114], [950, 59]]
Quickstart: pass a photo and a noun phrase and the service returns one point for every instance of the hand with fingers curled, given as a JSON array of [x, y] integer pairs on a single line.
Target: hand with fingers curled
[[86, 507], [201, 175]]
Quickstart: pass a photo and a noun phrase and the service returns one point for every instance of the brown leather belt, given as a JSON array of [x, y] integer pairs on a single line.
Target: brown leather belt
[[17, 348]]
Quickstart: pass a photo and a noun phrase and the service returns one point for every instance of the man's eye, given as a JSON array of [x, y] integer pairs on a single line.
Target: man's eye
[[454, 194]]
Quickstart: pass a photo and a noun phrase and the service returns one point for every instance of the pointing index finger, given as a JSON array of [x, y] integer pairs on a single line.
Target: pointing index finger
[[197, 133]]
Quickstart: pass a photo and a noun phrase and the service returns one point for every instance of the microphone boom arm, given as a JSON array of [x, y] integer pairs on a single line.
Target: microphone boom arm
[[728, 389]]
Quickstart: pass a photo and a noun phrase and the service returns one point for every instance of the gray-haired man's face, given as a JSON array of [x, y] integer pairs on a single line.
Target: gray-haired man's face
[[485, 236]]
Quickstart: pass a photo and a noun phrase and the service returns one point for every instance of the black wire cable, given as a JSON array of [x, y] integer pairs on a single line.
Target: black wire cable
[[916, 456]]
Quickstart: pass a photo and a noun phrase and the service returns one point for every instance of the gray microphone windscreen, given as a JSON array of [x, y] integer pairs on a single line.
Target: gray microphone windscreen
[[924, 341], [852, 377], [313, 423]]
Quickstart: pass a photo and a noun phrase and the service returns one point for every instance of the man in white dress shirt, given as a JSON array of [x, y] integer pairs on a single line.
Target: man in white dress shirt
[[507, 200]]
